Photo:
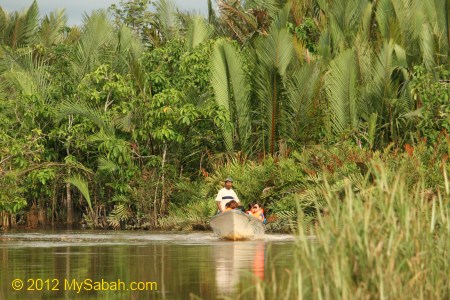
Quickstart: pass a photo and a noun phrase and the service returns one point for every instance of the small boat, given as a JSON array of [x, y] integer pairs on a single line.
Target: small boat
[[236, 225]]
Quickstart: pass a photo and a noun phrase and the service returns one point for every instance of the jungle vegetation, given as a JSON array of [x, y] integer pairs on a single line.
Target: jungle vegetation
[[334, 114], [133, 118]]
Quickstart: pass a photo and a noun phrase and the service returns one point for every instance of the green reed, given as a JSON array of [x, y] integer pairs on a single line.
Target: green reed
[[384, 240]]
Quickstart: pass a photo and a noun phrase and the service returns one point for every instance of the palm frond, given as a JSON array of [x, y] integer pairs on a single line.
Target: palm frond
[[427, 47], [442, 28], [120, 213], [275, 53], [366, 21], [341, 90], [324, 46], [4, 17], [384, 16], [281, 18], [125, 122], [302, 93], [51, 25], [29, 76], [380, 86], [82, 185], [345, 19], [363, 60], [90, 52], [168, 23], [409, 19], [198, 32], [21, 30], [231, 91], [271, 6], [387, 92], [87, 110], [437, 14], [185, 217], [106, 165], [233, 12], [128, 50]]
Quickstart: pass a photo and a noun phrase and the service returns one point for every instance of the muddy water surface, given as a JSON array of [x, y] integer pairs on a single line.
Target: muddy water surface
[[137, 265]]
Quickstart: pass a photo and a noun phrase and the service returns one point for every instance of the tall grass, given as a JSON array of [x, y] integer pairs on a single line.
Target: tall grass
[[386, 240]]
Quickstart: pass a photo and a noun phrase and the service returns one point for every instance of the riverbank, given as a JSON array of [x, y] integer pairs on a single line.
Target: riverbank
[[96, 134], [287, 186]]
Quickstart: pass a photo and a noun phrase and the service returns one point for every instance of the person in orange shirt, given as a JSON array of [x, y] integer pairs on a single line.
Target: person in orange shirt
[[258, 212]]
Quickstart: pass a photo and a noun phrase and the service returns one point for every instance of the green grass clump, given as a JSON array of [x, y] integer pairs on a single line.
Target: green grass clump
[[386, 240]]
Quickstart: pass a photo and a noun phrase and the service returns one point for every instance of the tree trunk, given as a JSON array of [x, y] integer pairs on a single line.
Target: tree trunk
[[211, 15], [13, 221], [69, 202], [273, 119], [53, 205], [155, 204], [33, 217], [5, 220], [41, 217], [447, 21], [69, 206], [163, 198]]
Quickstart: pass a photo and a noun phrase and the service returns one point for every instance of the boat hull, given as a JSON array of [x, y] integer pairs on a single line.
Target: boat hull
[[236, 225]]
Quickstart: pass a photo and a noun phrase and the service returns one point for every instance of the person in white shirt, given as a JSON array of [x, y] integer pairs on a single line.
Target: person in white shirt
[[225, 195]]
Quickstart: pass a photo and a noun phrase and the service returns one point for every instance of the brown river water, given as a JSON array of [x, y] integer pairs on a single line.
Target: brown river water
[[138, 265]]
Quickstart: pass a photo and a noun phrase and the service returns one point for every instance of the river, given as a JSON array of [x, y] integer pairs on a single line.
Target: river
[[138, 265]]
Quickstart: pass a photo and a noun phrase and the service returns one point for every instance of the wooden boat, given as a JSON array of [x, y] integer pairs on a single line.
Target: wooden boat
[[236, 225]]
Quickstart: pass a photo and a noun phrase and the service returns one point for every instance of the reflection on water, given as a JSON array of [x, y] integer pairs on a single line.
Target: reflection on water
[[233, 259], [182, 265]]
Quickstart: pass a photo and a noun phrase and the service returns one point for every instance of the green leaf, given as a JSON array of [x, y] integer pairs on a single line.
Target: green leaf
[[82, 185], [340, 84]]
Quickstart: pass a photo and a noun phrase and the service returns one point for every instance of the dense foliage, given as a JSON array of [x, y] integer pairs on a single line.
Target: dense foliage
[[133, 118]]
